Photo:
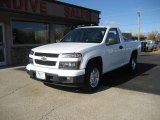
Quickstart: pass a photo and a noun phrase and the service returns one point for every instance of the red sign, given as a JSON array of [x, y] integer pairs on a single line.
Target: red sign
[[50, 9], [71, 12], [34, 6]]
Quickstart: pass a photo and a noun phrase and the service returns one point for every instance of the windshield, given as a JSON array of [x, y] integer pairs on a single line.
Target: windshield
[[85, 35]]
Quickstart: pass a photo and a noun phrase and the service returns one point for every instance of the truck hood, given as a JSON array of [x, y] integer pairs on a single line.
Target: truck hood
[[65, 47]]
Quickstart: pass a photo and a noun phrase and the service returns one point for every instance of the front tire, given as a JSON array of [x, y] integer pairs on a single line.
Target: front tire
[[92, 78]]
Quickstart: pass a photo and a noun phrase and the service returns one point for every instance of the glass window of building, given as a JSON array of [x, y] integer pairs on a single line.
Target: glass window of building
[[61, 30], [30, 32]]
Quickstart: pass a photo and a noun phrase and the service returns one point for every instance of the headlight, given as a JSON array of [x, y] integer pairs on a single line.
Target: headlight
[[31, 53], [71, 55], [69, 65]]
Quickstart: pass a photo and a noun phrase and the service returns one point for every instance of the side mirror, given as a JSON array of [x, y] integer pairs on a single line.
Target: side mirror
[[112, 41]]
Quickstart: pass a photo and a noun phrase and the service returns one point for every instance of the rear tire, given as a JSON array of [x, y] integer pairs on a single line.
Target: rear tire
[[133, 63], [92, 77]]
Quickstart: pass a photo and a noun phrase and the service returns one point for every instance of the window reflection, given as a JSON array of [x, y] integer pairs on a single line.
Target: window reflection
[[30, 32], [61, 30]]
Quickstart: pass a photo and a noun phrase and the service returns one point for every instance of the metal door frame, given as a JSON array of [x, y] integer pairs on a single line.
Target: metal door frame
[[3, 47]]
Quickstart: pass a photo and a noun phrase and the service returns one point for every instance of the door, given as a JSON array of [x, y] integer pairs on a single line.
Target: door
[[2, 47], [114, 52]]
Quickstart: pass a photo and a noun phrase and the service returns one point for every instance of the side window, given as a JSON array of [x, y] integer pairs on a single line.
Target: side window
[[113, 37], [125, 39]]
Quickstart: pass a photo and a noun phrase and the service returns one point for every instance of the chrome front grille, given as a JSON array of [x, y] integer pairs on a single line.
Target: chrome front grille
[[48, 63], [43, 59], [47, 55]]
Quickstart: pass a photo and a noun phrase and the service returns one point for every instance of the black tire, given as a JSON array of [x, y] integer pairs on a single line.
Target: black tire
[[92, 77], [132, 63]]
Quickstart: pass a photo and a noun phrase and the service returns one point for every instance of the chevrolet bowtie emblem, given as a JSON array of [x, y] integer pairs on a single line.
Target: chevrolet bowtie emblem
[[44, 58]]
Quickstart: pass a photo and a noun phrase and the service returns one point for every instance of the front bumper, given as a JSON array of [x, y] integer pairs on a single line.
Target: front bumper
[[71, 78]]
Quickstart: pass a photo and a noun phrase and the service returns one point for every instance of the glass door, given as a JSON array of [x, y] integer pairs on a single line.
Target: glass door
[[2, 48]]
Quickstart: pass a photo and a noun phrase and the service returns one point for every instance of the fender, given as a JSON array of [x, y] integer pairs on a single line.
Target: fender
[[92, 53]]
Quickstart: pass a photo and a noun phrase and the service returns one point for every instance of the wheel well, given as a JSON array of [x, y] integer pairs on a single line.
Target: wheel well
[[96, 60], [135, 52]]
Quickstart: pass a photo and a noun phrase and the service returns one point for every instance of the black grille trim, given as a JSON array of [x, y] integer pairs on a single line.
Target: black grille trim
[[48, 63], [46, 54]]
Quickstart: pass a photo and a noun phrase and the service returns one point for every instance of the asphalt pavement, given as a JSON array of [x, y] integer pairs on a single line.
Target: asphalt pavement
[[121, 96]]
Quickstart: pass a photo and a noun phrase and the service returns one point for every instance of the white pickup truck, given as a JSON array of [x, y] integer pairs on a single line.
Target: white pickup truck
[[82, 56]]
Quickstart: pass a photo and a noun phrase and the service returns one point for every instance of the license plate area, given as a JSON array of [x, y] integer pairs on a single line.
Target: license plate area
[[40, 75]]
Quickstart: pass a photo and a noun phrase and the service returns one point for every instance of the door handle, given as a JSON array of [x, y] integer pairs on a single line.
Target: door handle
[[120, 47]]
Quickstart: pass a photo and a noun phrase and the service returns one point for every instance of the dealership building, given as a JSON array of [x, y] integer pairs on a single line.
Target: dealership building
[[25, 24]]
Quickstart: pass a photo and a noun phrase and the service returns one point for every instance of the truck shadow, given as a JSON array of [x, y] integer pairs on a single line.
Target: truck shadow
[[138, 81], [121, 75], [120, 78]]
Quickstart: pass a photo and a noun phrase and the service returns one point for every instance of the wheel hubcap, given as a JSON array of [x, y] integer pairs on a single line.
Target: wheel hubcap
[[94, 78], [133, 64]]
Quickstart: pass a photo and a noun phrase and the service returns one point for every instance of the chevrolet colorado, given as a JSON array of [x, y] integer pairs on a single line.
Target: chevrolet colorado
[[82, 56]]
